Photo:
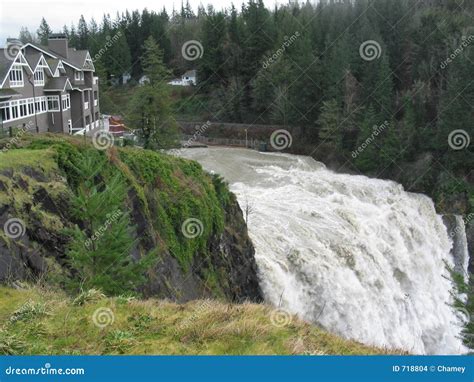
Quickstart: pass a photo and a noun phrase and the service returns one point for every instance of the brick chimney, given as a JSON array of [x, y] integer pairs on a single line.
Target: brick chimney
[[58, 43]]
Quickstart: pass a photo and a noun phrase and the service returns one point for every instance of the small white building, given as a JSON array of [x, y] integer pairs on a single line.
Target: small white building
[[143, 80], [187, 79], [126, 77]]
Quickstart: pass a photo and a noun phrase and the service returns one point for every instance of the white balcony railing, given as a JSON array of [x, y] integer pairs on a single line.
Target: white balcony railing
[[86, 105], [16, 84]]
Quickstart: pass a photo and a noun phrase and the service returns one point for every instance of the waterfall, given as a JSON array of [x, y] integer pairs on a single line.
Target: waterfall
[[361, 257]]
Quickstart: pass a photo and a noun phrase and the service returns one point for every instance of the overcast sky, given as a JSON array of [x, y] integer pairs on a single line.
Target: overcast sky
[[17, 13]]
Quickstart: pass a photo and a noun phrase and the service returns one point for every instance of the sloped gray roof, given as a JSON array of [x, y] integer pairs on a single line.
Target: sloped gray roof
[[8, 93], [74, 58], [33, 58], [53, 63], [190, 73], [56, 84], [77, 57], [5, 64]]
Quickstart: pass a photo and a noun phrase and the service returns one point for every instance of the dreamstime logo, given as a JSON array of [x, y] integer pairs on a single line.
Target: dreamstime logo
[[192, 228], [102, 140], [460, 229], [280, 317], [109, 42], [192, 50], [288, 41], [459, 139], [466, 41], [12, 48], [376, 130], [103, 317], [14, 228], [281, 139], [111, 218], [370, 50], [13, 141], [197, 134], [188, 321]]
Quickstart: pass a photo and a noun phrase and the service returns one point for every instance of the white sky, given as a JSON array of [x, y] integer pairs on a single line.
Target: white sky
[[17, 13]]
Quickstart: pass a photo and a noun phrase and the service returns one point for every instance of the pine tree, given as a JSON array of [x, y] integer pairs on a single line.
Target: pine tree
[[82, 33], [390, 147], [43, 32], [329, 122], [211, 65], [408, 130], [150, 109], [100, 252], [281, 107], [366, 154], [73, 39], [25, 35], [117, 60], [152, 63], [455, 119]]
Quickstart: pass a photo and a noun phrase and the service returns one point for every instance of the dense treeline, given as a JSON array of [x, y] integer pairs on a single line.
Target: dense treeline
[[304, 66], [382, 87]]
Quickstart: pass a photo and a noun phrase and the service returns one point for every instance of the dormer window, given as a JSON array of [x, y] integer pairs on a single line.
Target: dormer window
[[88, 61], [16, 76], [79, 76], [39, 77], [59, 69]]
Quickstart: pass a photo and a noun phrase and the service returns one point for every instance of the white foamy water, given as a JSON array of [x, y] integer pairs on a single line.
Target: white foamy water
[[361, 257]]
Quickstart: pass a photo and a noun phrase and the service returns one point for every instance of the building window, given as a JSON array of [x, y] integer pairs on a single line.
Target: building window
[[66, 101], [53, 103], [16, 76], [23, 108], [79, 76], [41, 105], [11, 110], [14, 106], [69, 126], [5, 111], [39, 77], [31, 106]]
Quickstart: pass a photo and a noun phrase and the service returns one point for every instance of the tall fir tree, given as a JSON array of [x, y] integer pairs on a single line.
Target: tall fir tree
[[43, 32], [150, 110]]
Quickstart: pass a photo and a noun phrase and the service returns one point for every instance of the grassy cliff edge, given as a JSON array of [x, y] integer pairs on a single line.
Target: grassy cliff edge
[[39, 321]]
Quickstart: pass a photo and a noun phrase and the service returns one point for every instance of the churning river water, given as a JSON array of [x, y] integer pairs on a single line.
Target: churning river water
[[361, 257]]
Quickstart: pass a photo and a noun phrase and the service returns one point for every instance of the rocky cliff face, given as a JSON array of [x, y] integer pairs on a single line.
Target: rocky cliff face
[[36, 213], [470, 240]]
